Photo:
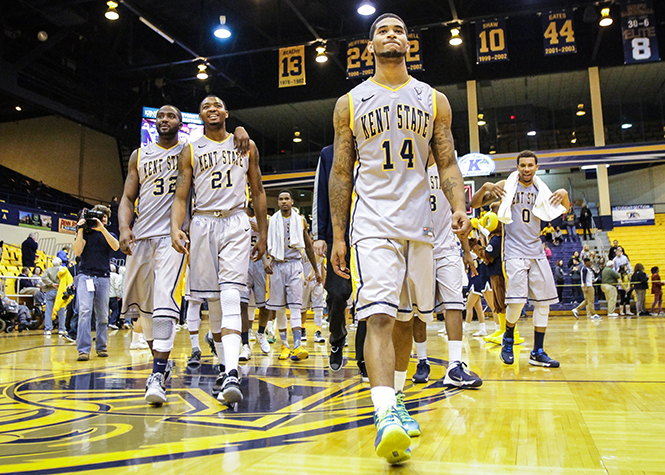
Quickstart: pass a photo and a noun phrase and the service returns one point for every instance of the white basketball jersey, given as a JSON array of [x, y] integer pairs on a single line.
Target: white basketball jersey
[[392, 130], [158, 171], [521, 238], [442, 217], [219, 175]]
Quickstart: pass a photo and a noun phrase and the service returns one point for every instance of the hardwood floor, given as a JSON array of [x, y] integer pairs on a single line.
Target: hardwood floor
[[602, 412]]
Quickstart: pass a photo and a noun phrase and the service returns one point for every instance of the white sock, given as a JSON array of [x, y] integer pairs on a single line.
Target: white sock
[[482, 327], [318, 317], [454, 351], [383, 397], [136, 337], [269, 328], [219, 346], [232, 344], [194, 338], [400, 379], [421, 350]]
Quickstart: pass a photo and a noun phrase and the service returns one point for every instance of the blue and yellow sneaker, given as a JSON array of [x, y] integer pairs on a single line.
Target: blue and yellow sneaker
[[392, 441], [410, 424]]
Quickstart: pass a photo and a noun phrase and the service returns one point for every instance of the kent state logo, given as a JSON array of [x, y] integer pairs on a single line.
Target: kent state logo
[[476, 164], [97, 418], [633, 215]]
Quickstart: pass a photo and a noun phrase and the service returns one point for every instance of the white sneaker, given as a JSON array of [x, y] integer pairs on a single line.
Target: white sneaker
[[576, 313], [263, 342], [595, 316], [613, 314], [251, 335], [154, 389], [245, 353], [628, 312], [443, 331], [139, 345], [465, 327], [480, 333]]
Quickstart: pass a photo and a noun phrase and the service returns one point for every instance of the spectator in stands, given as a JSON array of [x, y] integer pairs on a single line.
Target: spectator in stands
[[585, 252], [560, 278], [589, 294], [576, 280], [548, 251], [586, 221], [571, 221], [92, 286], [31, 285], [574, 260], [29, 250], [625, 290], [557, 236], [611, 254], [656, 290], [640, 282], [114, 298], [609, 281], [547, 232], [50, 283], [620, 259], [63, 254]]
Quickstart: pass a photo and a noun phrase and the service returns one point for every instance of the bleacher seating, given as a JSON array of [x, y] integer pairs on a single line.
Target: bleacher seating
[[643, 244], [564, 252], [10, 266]]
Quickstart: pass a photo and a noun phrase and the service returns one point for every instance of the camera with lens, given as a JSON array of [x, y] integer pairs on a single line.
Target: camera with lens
[[89, 215], [69, 292]]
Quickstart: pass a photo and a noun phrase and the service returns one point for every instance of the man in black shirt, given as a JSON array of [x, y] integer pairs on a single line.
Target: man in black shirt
[[92, 282], [29, 250]]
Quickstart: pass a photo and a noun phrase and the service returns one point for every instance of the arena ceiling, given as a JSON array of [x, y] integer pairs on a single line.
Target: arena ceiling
[[101, 73]]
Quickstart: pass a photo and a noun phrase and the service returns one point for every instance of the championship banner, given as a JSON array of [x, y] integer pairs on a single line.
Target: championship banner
[[638, 28], [360, 62], [292, 66], [636, 215], [558, 33], [491, 45], [67, 226]]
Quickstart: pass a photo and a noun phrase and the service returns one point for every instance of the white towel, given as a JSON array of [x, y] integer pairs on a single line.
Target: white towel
[[276, 234], [542, 209]]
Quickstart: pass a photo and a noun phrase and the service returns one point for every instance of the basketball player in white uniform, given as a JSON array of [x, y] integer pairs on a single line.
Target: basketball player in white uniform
[[387, 125], [287, 237], [528, 274], [449, 269], [313, 295], [154, 273], [217, 176]]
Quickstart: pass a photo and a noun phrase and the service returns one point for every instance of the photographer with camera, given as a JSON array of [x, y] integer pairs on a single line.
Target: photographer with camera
[[93, 244]]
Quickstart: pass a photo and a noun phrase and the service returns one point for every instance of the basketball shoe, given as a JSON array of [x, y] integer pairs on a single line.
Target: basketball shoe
[[410, 424], [392, 441]]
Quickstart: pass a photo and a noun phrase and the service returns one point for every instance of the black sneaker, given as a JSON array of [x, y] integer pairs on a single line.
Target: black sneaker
[[506, 354], [303, 334], [362, 369], [540, 358], [459, 375], [211, 343], [336, 358], [230, 392], [194, 361], [422, 372]]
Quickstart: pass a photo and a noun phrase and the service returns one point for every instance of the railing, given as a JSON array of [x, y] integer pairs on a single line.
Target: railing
[[3, 282]]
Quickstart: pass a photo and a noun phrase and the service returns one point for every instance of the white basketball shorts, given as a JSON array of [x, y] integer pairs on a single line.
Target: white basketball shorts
[[530, 279]]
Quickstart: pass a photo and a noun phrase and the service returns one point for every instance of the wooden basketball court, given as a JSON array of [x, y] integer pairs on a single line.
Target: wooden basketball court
[[602, 412]]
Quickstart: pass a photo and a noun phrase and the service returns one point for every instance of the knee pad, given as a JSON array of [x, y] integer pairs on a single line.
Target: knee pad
[[280, 318], [230, 300], [215, 315], [232, 322], [194, 316], [541, 315], [296, 318], [163, 331], [514, 312], [146, 326]]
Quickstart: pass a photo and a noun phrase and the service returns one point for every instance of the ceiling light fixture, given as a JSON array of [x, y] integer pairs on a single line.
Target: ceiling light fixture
[[202, 74], [574, 139], [606, 19], [580, 110], [481, 120], [455, 38], [296, 136], [321, 56], [366, 9], [626, 125], [222, 31], [492, 150], [18, 108], [531, 133], [112, 13]]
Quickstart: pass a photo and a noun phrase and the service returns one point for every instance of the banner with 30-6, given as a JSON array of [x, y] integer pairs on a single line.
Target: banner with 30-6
[[360, 62], [638, 27]]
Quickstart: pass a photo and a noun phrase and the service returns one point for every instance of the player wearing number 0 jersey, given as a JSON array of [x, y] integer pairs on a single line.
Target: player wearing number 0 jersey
[[524, 199], [219, 241], [383, 130], [155, 272]]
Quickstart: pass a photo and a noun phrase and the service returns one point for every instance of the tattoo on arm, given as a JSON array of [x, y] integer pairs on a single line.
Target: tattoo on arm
[[447, 186], [341, 176]]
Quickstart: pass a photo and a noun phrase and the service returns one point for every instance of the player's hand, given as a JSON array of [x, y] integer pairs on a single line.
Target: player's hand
[[267, 265], [461, 223], [468, 262], [338, 259], [320, 247], [241, 138], [179, 241], [558, 196], [495, 190], [127, 242], [319, 280], [259, 249]]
